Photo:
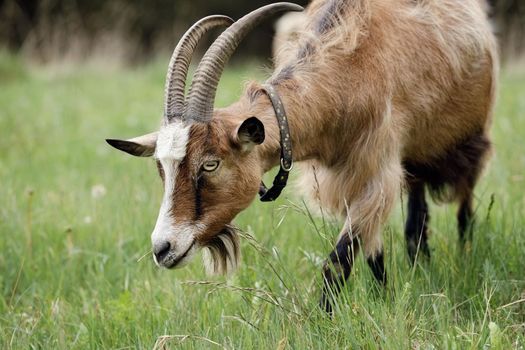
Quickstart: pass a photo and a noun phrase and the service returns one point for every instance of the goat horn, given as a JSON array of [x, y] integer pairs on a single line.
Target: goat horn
[[180, 62], [206, 78]]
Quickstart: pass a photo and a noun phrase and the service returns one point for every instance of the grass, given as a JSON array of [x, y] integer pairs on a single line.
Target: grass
[[76, 216]]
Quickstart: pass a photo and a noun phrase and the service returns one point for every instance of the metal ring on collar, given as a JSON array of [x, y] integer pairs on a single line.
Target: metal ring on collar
[[286, 169]]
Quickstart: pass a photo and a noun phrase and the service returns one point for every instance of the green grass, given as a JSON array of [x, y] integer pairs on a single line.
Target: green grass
[[72, 274]]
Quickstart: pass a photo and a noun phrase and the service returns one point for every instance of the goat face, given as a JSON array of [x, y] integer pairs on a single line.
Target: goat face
[[207, 162], [210, 172]]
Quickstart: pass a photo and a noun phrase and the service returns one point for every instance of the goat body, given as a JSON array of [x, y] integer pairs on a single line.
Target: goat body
[[380, 95], [379, 92]]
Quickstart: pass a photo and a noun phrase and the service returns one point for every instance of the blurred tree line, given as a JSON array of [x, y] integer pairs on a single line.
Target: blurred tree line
[[134, 31]]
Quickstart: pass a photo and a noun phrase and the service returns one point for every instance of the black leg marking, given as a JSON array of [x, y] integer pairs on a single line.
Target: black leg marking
[[416, 224], [451, 176], [337, 269], [465, 220], [377, 265], [475, 153]]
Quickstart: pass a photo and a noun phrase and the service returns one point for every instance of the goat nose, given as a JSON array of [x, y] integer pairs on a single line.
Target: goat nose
[[161, 250]]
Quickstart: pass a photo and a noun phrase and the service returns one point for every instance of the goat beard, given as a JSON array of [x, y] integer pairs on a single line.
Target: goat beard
[[222, 253]]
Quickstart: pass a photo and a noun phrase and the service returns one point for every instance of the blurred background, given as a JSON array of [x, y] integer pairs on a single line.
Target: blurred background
[[133, 32]]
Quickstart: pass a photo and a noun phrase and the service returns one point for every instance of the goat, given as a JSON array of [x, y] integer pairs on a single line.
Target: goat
[[378, 95]]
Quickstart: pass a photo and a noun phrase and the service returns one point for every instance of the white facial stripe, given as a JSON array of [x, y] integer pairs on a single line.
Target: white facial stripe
[[172, 141], [170, 150], [161, 233]]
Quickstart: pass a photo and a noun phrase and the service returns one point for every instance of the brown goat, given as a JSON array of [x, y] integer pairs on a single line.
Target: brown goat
[[379, 94]]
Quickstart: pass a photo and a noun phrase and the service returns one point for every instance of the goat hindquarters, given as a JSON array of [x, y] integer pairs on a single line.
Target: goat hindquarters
[[449, 177]]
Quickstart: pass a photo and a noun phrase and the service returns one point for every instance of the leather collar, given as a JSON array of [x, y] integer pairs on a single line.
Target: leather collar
[[286, 163]]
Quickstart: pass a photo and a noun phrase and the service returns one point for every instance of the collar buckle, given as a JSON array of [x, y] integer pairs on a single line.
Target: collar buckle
[[289, 168]]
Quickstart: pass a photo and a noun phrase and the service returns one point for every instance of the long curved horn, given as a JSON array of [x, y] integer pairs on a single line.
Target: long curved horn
[[204, 86], [180, 61]]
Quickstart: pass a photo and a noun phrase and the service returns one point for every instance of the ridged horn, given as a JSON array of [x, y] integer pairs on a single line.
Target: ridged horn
[[204, 86], [180, 62]]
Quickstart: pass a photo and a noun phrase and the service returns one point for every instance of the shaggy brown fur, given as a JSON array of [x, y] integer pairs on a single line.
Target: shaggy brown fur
[[374, 90], [396, 82]]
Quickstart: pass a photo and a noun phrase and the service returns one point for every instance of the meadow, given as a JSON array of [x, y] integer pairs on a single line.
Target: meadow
[[76, 216]]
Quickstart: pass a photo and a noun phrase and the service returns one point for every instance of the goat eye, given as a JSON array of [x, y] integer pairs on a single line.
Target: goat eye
[[210, 165]]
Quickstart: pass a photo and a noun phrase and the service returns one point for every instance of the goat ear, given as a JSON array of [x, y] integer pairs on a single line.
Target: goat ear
[[142, 146], [250, 133]]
